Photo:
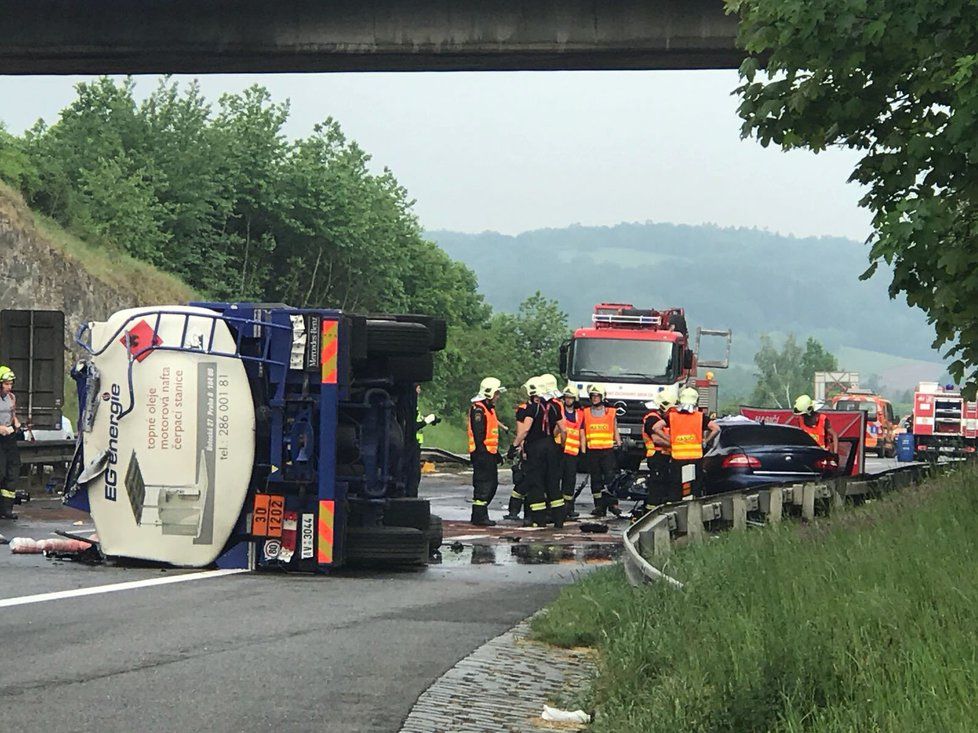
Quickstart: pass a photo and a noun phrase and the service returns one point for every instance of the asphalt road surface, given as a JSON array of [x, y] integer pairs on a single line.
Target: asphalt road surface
[[245, 651]]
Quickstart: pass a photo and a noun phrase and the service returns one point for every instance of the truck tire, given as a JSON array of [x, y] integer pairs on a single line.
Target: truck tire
[[407, 512], [392, 338], [386, 546], [435, 534], [438, 327], [416, 368]]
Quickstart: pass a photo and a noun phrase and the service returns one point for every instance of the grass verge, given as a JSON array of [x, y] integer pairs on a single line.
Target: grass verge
[[447, 436], [867, 621]]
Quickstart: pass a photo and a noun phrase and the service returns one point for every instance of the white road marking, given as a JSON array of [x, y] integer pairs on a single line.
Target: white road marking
[[130, 585]]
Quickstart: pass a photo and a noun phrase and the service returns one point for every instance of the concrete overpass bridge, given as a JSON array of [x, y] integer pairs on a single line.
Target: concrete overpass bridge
[[214, 36]]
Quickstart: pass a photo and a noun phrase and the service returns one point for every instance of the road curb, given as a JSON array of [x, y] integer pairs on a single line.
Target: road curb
[[502, 686]]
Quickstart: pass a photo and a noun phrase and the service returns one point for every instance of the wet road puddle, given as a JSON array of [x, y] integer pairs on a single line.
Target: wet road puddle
[[528, 553]]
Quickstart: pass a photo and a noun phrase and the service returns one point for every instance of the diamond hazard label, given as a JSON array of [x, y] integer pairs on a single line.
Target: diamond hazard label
[[139, 339]]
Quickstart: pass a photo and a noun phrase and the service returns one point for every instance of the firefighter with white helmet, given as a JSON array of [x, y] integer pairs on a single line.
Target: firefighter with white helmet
[[537, 425], [601, 437], [9, 433], [688, 430], [555, 458], [815, 423], [657, 449], [483, 434], [571, 445]]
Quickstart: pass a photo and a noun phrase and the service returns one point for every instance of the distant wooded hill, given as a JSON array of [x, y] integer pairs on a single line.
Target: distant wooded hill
[[748, 280]]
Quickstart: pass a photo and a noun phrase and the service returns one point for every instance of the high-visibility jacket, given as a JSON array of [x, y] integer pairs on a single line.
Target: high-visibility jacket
[[572, 430], [650, 446], [686, 435], [817, 430], [492, 429], [420, 434], [599, 431]]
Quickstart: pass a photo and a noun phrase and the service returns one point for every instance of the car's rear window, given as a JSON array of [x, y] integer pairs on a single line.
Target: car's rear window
[[757, 435], [852, 405]]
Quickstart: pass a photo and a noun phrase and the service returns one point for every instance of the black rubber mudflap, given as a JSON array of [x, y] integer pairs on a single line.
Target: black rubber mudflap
[[435, 534], [398, 546], [408, 512]]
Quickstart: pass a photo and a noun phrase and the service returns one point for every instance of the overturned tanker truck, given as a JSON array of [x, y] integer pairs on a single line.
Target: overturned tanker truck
[[254, 436]]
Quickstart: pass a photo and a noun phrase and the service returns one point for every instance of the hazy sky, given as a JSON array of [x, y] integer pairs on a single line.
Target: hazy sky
[[519, 151]]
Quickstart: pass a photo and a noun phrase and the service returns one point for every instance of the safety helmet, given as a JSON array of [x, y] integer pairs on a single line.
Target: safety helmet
[[804, 405], [667, 397], [689, 399], [570, 391], [549, 384], [534, 388], [7, 374], [596, 389], [489, 387]]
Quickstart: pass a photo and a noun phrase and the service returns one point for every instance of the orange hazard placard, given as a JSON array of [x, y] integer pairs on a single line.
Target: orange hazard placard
[[267, 516], [259, 516], [276, 515]]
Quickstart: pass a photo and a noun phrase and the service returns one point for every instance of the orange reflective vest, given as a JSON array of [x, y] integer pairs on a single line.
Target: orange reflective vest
[[572, 430], [686, 435], [492, 429], [817, 430], [599, 431], [650, 446]]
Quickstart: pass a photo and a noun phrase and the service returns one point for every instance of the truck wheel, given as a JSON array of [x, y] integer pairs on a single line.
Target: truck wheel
[[417, 368], [435, 534], [392, 338], [438, 327], [407, 512], [386, 546]]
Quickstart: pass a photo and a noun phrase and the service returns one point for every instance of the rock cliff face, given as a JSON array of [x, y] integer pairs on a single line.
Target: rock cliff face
[[39, 273]]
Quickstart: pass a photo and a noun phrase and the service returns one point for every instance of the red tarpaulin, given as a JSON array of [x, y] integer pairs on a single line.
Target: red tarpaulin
[[849, 426]]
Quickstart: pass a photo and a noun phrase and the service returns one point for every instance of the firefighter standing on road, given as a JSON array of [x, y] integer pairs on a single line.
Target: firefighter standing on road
[[9, 455], [686, 425], [572, 424], [657, 449], [555, 460], [534, 440], [601, 437], [483, 430], [517, 498], [815, 423]]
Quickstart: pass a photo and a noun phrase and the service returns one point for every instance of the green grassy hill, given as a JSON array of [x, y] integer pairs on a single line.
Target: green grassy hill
[[749, 280]]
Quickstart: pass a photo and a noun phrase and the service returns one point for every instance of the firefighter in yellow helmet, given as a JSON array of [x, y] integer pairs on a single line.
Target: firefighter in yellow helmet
[[571, 446], [556, 504], [601, 437], [688, 430], [9, 434], [815, 423], [538, 423], [483, 433]]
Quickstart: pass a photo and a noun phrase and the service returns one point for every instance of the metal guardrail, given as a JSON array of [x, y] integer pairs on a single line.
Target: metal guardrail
[[652, 537]]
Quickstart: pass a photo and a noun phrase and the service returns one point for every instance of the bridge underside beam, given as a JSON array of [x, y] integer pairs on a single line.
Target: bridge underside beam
[[223, 36]]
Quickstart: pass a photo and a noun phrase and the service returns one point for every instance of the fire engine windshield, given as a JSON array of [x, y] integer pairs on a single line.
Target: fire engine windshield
[[852, 405], [623, 360]]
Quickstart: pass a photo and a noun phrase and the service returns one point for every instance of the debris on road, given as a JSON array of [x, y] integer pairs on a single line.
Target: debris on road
[[593, 527], [30, 546], [556, 715]]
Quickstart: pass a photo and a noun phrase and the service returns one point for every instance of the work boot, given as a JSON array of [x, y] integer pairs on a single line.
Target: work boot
[[612, 506], [600, 508], [557, 515], [569, 513], [480, 517], [7, 509], [515, 504]]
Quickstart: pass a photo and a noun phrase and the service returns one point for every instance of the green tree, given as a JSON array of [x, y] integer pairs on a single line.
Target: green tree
[[785, 374], [896, 80]]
